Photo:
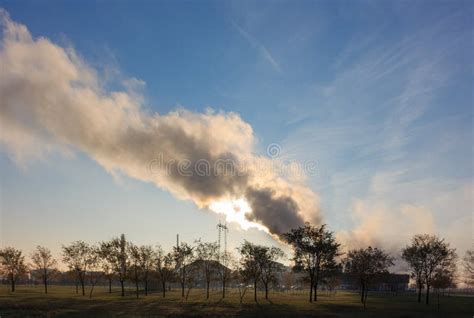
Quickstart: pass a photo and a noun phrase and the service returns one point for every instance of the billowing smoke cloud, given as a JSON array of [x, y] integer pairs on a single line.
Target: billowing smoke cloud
[[389, 227], [270, 210], [51, 100]]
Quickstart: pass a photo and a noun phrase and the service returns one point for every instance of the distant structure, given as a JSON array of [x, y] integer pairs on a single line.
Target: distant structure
[[388, 282], [222, 228]]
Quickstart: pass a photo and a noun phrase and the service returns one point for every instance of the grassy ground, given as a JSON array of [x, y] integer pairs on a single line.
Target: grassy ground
[[62, 301]]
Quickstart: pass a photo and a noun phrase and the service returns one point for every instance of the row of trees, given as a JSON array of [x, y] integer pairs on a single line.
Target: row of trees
[[315, 253]]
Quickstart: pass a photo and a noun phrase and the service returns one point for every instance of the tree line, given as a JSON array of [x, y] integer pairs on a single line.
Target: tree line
[[316, 255]]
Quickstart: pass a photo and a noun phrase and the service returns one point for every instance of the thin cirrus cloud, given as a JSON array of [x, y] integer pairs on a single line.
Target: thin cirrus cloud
[[52, 100], [387, 110], [264, 52]]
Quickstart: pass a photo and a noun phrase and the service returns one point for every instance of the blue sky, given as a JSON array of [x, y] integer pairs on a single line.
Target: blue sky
[[377, 93]]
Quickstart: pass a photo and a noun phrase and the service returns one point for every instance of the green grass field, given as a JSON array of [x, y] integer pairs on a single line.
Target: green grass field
[[62, 301]]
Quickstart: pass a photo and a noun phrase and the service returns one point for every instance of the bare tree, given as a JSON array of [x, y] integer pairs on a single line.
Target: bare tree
[[206, 255], [224, 271], [191, 278], [288, 279], [71, 275], [142, 259], [251, 256], [468, 264], [134, 267], [444, 278], [147, 264], [44, 263], [365, 265], [105, 252], [94, 273], [333, 282], [433, 255], [12, 264], [183, 256], [164, 267], [269, 266], [415, 260], [119, 259], [315, 251], [76, 256], [242, 277]]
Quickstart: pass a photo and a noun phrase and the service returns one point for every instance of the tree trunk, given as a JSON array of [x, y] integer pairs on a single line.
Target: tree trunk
[[182, 289], [419, 294], [13, 284], [362, 293], [255, 290], [242, 293], [365, 295], [146, 287], [45, 285], [82, 286], [163, 285], [136, 286], [311, 290], [90, 294], [223, 288], [77, 287], [207, 289], [315, 295], [427, 294], [123, 289], [187, 294], [110, 285], [438, 300], [266, 291]]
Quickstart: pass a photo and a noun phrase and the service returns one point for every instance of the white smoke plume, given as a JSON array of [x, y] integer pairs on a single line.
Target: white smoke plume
[[389, 227], [52, 100]]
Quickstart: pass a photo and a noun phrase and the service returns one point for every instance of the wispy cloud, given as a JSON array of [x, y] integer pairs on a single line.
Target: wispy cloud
[[378, 137], [264, 52]]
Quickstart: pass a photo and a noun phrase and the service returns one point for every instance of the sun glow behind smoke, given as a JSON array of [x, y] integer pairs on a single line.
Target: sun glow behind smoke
[[235, 211], [70, 110]]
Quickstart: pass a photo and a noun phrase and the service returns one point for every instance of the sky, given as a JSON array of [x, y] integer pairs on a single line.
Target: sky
[[375, 97]]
